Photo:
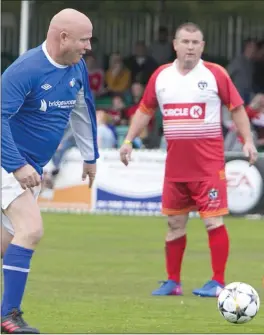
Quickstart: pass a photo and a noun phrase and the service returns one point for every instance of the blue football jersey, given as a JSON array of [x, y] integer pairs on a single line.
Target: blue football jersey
[[39, 98]]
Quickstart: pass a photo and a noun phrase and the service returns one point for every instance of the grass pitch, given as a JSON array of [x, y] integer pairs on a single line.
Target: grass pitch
[[95, 274]]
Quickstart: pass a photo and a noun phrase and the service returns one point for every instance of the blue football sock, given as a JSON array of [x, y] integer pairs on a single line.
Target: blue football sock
[[16, 264]]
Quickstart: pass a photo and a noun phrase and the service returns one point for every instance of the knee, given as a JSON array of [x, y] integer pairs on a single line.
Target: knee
[[176, 227], [213, 222], [25, 216], [29, 234], [34, 235]]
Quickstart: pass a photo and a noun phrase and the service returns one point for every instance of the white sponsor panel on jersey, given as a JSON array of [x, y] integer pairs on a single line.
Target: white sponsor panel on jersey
[[196, 112], [176, 112], [62, 103], [65, 104], [184, 111]]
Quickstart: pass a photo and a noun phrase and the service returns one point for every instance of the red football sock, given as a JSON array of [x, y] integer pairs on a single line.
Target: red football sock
[[219, 246], [174, 251]]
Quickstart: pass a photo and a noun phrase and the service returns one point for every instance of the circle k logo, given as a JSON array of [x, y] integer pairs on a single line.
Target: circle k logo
[[188, 111], [196, 112]]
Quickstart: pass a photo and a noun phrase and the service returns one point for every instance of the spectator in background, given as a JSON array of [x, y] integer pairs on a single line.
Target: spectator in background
[[258, 77], [68, 142], [256, 106], [141, 64], [98, 52], [163, 143], [137, 90], [161, 50], [257, 119], [117, 77], [96, 75], [117, 110], [255, 111], [241, 70], [106, 138], [138, 142], [149, 136]]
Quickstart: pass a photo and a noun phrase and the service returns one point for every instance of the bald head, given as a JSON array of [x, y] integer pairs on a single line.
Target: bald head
[[69, 35], [69, 19]]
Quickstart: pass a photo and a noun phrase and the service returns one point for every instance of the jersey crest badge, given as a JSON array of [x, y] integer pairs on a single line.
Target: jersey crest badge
[[202, 85], [72, 82]]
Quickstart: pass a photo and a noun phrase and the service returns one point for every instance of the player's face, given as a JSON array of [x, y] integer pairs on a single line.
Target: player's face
[[76, 43], [189, 47]]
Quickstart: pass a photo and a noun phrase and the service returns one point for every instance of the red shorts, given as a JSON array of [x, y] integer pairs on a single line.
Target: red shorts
[[209, 197]]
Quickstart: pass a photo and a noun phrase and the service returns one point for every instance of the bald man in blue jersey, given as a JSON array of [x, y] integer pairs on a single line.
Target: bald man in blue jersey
[[42, 91]]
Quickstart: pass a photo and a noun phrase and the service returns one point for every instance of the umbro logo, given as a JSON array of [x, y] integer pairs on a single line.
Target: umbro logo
[[46, 87]]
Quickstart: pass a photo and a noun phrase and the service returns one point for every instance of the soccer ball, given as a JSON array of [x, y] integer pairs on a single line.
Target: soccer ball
[[238, 302]]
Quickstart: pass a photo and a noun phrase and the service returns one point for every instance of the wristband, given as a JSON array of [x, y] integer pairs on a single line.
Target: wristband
[[127, 142]]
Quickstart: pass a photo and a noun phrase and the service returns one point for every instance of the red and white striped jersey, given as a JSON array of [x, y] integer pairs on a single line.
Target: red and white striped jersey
[[191, 107]]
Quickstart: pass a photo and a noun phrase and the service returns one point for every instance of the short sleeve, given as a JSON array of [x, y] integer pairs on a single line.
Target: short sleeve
[[226, 89], [149, 101]]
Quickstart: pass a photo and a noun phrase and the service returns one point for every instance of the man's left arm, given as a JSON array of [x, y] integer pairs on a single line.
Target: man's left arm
[[83, 124], [232, 99], [242, 123]]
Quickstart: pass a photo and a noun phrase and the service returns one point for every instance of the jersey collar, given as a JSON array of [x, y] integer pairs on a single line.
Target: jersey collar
[[197, 65], [44, 48]]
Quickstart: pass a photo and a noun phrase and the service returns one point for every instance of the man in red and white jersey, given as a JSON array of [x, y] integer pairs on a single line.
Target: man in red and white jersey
[[190, 94]]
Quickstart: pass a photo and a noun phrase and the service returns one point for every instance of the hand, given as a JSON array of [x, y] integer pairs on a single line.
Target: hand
[[90, 170], [116, 69], [125, 153], [257, 102], [251, 152], [260, 141], [27, 176]]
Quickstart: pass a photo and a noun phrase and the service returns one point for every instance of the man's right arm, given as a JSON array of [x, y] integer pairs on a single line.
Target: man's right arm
[[16, 84], [138, 123]]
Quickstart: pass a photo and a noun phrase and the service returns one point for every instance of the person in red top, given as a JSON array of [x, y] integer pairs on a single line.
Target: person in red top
[[255, 112], [190, 94], [137, 90], [96, 75]]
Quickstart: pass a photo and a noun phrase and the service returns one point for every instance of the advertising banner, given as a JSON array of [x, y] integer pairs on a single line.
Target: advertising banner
[[137, 189], [68, 192], [245, 185]]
